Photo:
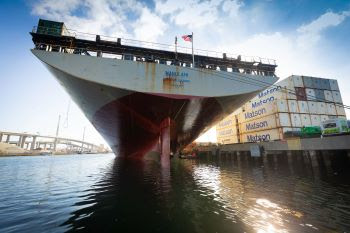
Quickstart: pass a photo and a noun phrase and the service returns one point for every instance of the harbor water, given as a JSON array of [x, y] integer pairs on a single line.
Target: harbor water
[[102, 193]]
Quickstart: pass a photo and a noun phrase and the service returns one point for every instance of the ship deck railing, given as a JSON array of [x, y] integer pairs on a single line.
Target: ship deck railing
[[171, 48], [167, 47], [233, 63]]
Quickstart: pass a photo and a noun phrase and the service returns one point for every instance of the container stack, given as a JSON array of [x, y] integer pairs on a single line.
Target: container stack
[[283, 109], [227, 131]]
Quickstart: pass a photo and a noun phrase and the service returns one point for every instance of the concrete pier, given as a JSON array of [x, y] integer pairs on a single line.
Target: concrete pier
[[32, 145], [317, 153], [306, 144]]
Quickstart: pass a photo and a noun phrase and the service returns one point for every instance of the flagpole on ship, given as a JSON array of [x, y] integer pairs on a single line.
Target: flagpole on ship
[[175, 47], [192, 52]]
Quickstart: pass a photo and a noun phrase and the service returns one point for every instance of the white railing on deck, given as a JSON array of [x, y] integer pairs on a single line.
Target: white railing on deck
[[167, 47]]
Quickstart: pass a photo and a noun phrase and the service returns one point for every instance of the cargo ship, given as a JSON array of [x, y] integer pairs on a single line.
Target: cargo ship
[[143, 97]]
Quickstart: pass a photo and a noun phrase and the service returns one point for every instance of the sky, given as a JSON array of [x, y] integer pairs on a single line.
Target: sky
[[305, 37]]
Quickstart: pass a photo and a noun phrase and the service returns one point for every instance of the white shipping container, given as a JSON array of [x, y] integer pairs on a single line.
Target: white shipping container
[[228, 121], [293, 106], [288, 88], [228, 140], [324, 118], [328, 96], [337, 97], [260, 136], [267, 122], [264, 123], [271, 104], [321, 108], [282, 90], [281, 105], [295, 120], [286, 83], [297, 81], [312, 107], [265, 110], [303, 106], [291, 95], [276, 91], [305, 120], [283, 119], [334, 84], [340, 110], [227, 132], [331, 109], [310, 94], [256, 103], [315, 120]]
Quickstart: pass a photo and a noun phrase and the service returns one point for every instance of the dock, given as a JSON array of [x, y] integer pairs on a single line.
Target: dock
[[317, 151]]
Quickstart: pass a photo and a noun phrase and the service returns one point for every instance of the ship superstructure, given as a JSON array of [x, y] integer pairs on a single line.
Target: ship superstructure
[[142, 96]]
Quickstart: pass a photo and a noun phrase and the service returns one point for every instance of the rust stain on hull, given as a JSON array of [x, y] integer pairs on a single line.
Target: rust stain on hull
[[146, 70], [173, 83], [170, 84], [153, 76]]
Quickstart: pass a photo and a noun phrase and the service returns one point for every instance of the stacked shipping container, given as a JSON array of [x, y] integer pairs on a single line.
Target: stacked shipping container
[[283, 109], [227, 131]]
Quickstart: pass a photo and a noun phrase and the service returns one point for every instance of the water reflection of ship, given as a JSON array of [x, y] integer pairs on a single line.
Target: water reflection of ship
[[133, 197], [215, 196]]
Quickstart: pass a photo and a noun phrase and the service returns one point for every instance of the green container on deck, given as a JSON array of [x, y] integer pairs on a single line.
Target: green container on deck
[[309, 131], [52, 28]]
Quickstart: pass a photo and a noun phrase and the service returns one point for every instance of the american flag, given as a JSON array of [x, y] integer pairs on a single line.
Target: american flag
[[187, 38]]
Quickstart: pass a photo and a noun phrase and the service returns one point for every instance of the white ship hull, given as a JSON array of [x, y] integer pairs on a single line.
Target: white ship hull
[[131, 103]]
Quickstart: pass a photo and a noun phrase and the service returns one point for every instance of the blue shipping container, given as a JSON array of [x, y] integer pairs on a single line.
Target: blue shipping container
[[325, 84], [308, 83], [316, 83], [319, 95]]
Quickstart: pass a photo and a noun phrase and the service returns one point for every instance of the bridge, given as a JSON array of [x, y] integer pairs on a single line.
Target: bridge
[[34, 142]]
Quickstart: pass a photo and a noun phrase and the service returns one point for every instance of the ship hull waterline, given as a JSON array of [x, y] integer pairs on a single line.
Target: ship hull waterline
[[135, 123]]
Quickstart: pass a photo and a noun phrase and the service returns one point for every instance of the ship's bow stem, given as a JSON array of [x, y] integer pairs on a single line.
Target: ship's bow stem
[[165, 142]]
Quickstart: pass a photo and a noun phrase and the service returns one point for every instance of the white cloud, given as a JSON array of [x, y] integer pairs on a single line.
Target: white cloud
[[324, 21], [197, 13], [55, 8], [232, 7], [311, 33], [104, 17], [149, 26]]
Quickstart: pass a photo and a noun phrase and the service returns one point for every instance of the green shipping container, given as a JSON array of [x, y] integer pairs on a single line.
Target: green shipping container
[[309, 131]]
